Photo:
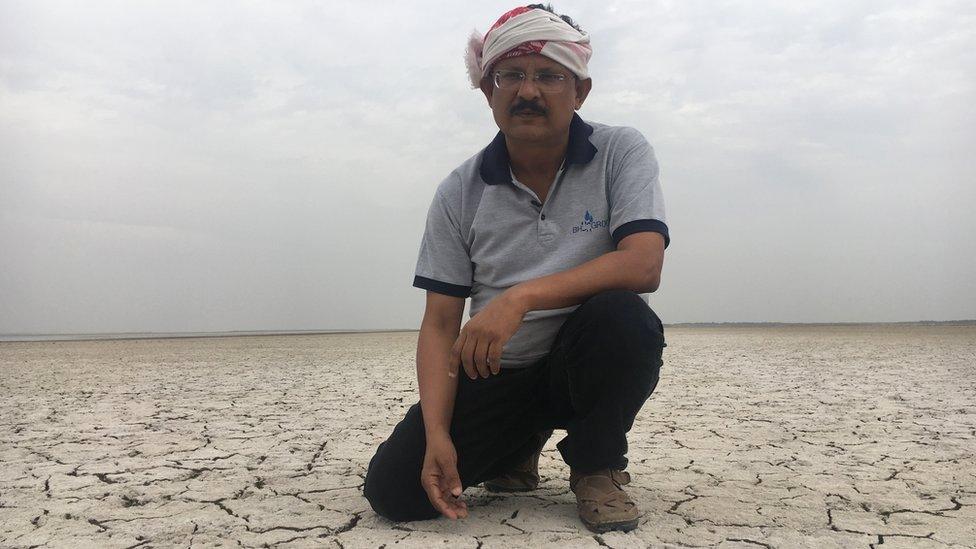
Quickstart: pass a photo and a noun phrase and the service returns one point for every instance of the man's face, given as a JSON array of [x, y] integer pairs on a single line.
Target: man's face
[[526, 113]]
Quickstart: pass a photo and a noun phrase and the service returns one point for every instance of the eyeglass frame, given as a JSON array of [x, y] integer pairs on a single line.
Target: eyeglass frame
[[535, 80]]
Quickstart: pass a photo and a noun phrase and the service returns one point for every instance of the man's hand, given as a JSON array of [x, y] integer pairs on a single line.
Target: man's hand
[[440, 479], [479, 344]]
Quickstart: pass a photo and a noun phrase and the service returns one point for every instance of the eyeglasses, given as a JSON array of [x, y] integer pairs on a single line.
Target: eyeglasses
[[546, 82]]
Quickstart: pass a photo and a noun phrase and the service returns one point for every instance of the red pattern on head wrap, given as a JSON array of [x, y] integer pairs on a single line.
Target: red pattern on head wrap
[[505, 17], [525, 48]]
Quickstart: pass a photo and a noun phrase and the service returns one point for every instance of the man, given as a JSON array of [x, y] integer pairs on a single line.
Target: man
[[553, 230]]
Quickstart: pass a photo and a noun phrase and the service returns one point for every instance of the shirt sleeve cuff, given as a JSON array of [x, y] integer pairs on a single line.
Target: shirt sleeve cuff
[[639, 226], [453, 290]]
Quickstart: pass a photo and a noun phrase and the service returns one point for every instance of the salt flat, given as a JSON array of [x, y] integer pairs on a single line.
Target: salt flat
[[802, 436]]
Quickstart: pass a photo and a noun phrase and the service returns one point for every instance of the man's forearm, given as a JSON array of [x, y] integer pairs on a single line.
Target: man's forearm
[[437, 389], [619, 269]]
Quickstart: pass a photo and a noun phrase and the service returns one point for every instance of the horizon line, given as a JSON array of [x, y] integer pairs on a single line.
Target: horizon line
[[103, 336]]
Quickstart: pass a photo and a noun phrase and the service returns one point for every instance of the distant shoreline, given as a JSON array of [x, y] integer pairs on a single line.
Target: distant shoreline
[[254, 333], [180, 335], [773, 324]]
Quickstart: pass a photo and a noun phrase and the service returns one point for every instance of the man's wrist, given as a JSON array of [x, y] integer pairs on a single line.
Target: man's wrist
[[436, 433], [520, 297]]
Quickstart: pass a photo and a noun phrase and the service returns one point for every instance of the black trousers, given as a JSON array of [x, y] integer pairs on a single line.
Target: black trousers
[[603, 365]]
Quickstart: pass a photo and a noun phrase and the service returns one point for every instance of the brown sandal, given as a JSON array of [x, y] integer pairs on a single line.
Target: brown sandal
[[524, 476], [602, 503]]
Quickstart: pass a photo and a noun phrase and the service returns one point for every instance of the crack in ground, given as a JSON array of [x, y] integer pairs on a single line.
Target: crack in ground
[[36, 520], [352, 524], [834, 527], [751, 542], [316, 456], [506, 523], [220, 504], [936, 513], [138, 518], [674, 508]]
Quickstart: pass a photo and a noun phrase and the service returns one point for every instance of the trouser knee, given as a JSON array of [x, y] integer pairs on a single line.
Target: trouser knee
[[395, 495], [622, 316]]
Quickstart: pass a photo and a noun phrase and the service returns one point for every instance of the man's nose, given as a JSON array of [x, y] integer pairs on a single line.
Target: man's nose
[[528, 88]]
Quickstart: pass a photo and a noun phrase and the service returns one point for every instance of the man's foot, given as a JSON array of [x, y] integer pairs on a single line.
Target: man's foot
[[524, 476], [602, 503]]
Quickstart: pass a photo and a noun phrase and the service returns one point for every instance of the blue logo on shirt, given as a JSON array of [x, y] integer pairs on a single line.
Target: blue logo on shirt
[[589, 224]]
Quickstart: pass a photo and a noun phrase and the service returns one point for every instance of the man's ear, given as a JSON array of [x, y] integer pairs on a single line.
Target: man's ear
[[487, 88], [583, 88]]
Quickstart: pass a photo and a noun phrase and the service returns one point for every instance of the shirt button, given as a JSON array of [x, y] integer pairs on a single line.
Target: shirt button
[[543, 217]]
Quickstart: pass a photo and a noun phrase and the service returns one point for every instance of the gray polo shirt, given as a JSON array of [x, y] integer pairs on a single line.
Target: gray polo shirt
[[487, 232]]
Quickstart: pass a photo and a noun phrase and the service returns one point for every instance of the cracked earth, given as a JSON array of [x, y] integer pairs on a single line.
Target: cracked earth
[[829, 436]]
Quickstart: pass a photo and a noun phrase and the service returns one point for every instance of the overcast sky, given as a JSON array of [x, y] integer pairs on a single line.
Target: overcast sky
[[211, 166]]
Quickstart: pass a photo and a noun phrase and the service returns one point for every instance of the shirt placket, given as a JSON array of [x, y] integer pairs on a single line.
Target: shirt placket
[[545, 229]]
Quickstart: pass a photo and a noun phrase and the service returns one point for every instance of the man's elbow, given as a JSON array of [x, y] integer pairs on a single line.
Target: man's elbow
[[653, 283], [645, 256], [649, 282]]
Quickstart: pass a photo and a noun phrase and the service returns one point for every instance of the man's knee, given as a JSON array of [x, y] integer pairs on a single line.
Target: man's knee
[[620, 311], [630, 335], [393, 493]]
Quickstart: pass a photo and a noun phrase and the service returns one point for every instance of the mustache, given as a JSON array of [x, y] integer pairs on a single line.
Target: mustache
[[526, 106]]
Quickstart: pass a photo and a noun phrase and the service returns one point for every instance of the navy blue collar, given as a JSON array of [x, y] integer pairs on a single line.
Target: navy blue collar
[[495, 167]]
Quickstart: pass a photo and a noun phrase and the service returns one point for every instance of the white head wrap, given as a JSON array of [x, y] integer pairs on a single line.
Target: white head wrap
[[536, 31]]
